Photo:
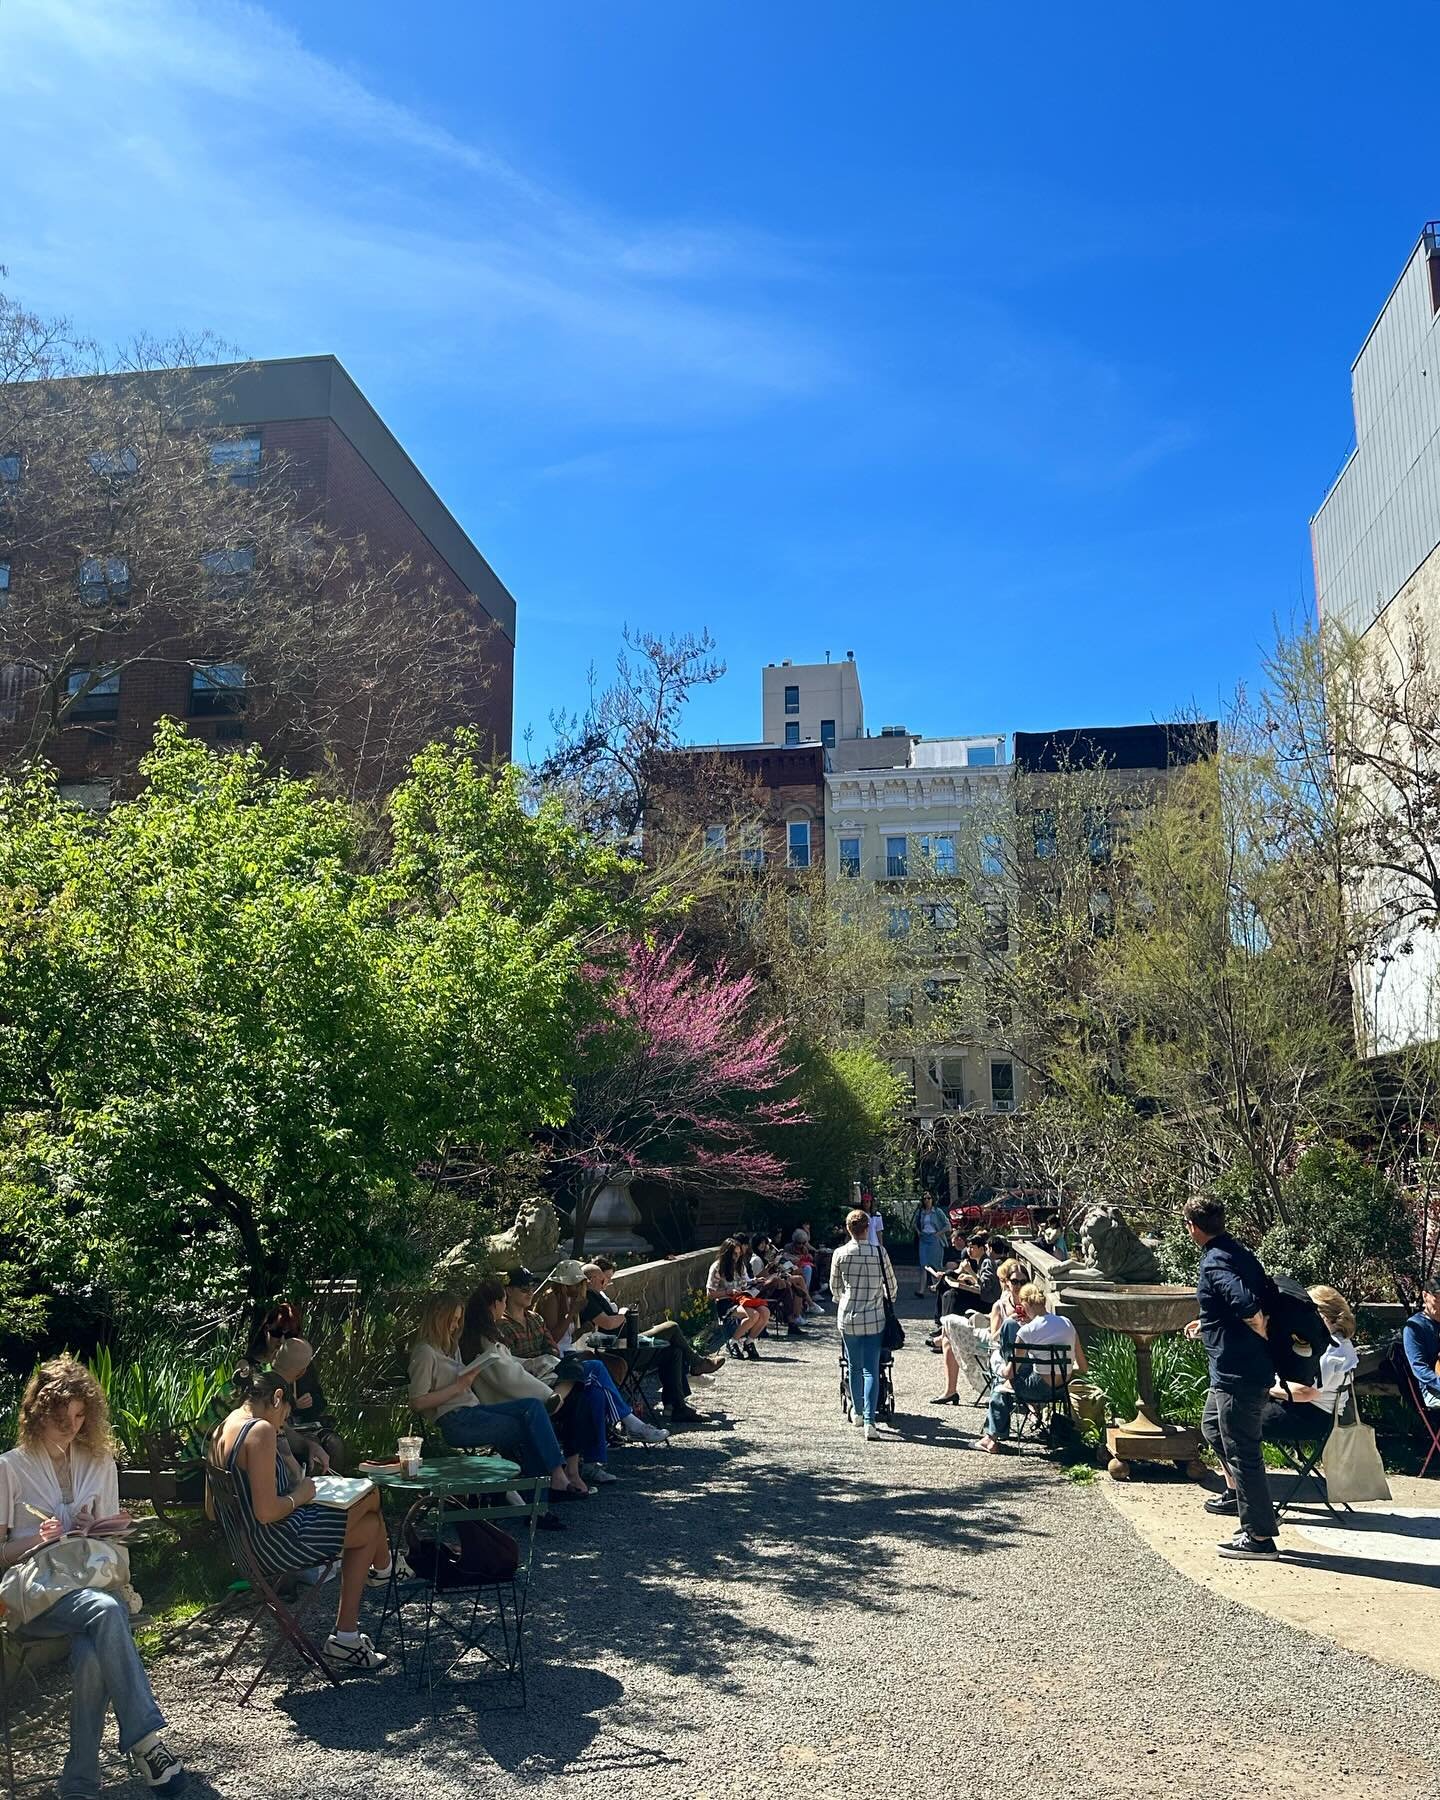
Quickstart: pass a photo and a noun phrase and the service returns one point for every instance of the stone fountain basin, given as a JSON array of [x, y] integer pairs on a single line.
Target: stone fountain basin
[[1140, 1310]]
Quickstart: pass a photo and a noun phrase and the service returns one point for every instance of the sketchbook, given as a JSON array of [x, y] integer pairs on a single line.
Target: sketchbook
[[341, 1491]]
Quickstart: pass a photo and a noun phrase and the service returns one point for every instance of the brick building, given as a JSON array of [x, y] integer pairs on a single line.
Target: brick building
[[350, 476]]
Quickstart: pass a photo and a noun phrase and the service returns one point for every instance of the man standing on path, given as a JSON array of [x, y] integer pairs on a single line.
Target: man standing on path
[[1235, 1294]]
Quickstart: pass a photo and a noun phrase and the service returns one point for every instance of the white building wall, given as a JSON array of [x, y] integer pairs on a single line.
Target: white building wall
[[1381, 519]]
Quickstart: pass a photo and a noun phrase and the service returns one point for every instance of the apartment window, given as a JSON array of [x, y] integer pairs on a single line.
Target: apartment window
[[219, 564], [904, 1067], [1043, 827], [1097, 834], [898, 923], [792, 699], [942, 917], [752, 847], [849, 856], [217, 688], [93, 694], [1002, 1086], [942, 992], [992, 855], [827, 733], [116, 465], [901, 1006], [996, 936], [715, 839], [797, 839], [852, 1012], [949, 1072], [239, 458], [1102, 913], [104, 580], [10, 469], [939, 853], [897, 862], [4, 583], [797, 918], [792, 734], [980, 756]]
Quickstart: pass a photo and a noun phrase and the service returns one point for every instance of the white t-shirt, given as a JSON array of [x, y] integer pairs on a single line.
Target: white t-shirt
[[1048, 1329], [877, 1225], [1340, 1360]]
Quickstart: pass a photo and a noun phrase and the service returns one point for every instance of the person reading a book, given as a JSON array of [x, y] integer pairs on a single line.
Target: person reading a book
[[285, 1528], [60, 1478], [441, 1387]]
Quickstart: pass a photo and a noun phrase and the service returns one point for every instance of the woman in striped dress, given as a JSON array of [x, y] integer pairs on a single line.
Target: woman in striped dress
[[286, 1531]]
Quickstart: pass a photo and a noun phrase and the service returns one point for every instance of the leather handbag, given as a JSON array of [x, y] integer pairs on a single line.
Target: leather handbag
[[892, 1336]]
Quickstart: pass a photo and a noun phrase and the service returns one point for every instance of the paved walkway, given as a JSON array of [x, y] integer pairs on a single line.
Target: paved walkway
[[780, 1607]]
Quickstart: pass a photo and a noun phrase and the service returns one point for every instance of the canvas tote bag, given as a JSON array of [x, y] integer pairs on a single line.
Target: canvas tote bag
[[1351, 1464]]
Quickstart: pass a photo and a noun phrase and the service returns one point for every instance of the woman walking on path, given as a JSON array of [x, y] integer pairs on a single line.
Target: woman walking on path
[[932, 1233], [862, 1280]]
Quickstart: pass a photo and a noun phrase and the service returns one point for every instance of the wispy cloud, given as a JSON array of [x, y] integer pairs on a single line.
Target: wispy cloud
[[193, 161]]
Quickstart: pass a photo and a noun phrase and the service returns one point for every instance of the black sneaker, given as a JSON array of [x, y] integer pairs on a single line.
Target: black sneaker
[[685, 1415], [1244, 1548], [751, 1352], [158, 1767], [1228, 1502]]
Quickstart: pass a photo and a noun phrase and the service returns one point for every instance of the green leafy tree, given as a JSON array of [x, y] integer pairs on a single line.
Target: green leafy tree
[[231, 1032]]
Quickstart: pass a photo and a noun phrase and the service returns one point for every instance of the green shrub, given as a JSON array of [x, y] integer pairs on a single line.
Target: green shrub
[[1180, 1370]]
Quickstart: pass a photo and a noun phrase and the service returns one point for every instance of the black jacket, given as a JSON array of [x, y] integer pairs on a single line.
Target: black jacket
[[1232, 1288]]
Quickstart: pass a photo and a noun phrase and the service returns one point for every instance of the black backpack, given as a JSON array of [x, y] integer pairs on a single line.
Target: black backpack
[[1297, 1334]]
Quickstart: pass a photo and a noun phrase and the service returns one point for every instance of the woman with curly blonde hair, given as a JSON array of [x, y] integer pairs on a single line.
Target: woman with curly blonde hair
[[59, 1478]]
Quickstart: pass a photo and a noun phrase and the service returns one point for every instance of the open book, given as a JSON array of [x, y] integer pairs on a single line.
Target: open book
[[341, 1491]]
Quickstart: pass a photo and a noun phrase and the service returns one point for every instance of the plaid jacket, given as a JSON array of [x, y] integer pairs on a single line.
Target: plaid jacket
[[860, 1279]]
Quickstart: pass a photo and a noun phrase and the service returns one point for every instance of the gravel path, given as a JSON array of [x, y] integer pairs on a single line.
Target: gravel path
[[779, 1604]]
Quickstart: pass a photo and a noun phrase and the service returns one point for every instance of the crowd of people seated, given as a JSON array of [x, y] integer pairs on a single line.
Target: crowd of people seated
[[753, 1281]]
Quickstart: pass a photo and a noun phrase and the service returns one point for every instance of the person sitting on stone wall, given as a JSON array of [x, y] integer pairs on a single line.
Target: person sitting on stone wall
[[740, 1314], [659, 1350]]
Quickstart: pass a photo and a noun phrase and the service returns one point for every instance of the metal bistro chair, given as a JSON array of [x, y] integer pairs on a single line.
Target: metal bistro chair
[[1303, 1457], [13, 1652], [264, 1592], [1427, 1415], [1037, 1416]]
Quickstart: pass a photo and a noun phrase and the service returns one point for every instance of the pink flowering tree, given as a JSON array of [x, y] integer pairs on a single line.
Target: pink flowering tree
[[682, 1086]]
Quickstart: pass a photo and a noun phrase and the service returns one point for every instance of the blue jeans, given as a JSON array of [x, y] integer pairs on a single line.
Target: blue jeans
[[105, 1671], [1001, 1409], [519, 1429], [862, 1358]]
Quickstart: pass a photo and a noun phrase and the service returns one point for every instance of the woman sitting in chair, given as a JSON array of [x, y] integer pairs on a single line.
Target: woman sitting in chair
[[1038, 1351], [441, 1388], [739, 1312], [285, 1530], [1305, 1415], [61, 1476]]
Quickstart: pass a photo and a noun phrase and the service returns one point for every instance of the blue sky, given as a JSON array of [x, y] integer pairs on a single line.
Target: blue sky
[[1006, 347]]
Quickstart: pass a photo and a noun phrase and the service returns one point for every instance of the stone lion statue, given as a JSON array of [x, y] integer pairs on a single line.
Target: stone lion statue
[[532, 1242], [1111, 1246]]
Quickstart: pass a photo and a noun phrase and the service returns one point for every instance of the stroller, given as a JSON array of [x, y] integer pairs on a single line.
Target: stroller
[[885, 1400]]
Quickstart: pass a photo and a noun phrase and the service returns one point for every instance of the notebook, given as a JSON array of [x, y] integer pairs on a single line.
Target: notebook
[[341, 1491]]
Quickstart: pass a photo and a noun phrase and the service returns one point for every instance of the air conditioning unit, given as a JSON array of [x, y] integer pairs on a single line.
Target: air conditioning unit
[[893, 731]]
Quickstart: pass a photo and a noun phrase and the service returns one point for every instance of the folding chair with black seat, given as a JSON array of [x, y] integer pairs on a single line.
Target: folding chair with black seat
[[973, 1354], [1048, 1365], [1429, 1416], [268, 1595], [1304, 1457]]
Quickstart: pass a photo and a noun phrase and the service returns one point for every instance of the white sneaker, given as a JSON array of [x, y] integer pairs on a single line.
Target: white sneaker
[[872, 1435], [155, 1764], [597, 1474], [401, 1566], [634, 1426], [361, 1657]]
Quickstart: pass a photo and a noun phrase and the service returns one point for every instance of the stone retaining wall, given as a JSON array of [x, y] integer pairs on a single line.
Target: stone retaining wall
[[652, 1289]]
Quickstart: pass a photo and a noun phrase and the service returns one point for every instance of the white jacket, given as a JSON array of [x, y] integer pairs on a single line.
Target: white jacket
[[500, 1375]]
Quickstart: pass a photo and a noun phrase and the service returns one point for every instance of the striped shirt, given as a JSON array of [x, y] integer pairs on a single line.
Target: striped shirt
[[861, 1278]]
